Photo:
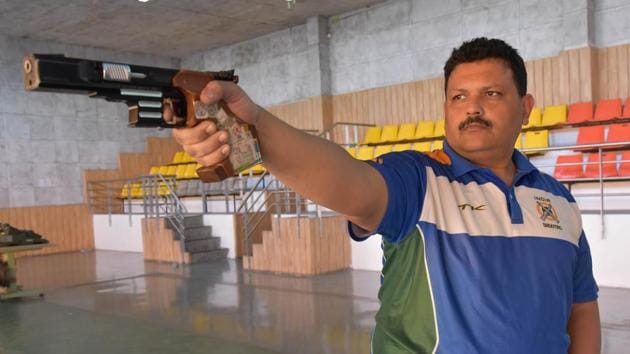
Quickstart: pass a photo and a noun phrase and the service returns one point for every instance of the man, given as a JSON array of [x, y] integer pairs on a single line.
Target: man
[[483, 253]]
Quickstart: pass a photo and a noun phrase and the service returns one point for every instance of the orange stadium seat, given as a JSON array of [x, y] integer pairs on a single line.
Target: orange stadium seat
[[624, 165], [406, 131], [554, 115], [437, 145], [608, 109], [618, 133], [389, 134], [351, 150], [535, 118], [626, 109], [609, 164], [580, 112], [372, 135], [425, 129], [568, 166], [590, 135]]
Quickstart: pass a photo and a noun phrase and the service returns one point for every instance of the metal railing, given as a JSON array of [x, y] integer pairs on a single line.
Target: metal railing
[[261, 200], [152, 196]]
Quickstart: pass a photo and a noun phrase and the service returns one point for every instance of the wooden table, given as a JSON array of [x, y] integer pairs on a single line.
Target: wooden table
[[8, 254]]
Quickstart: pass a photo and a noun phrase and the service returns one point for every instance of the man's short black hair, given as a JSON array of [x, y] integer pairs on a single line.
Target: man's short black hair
[[483, 48]]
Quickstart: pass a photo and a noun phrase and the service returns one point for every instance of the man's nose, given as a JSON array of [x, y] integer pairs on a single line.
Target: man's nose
[[474, 107]]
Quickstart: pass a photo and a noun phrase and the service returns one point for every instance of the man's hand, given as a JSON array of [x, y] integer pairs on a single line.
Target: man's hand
[[203, 142]]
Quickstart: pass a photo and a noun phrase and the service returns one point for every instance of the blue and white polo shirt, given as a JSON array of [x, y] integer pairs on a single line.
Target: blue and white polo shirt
[[472, 265]]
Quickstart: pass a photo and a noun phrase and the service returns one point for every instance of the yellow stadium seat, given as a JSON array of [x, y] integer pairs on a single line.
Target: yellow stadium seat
[[382, 149], [402, 147], [163, 170], [554, 115], [187, 158], [191, 171], [372, 135], [406, 131], [519, 142], [258, 169], [172, 170], [535, 118], [537, 139], [154, 170], [365, 153], [422, 147], [389, 134], [437, 145], [179, 156], [425, 129], [351, 150], [136, 190], [124, 193], [439, 128], [180, 172]]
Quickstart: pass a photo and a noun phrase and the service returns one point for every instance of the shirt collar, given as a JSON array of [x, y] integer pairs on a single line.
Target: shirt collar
[[461, 165]]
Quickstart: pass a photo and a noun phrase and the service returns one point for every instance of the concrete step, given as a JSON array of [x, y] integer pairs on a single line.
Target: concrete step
[[213, 255], [193, 221], [197, 233], [203, 245]]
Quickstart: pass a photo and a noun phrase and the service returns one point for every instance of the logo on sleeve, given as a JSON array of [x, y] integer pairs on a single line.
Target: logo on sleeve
[[547, 213], [468, 206]]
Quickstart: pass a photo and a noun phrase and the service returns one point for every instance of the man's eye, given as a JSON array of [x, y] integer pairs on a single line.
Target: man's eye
[[458, 97], [493, 93]]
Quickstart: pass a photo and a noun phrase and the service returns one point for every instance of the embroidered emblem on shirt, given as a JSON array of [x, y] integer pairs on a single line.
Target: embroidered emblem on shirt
[[547, 213], [471, 207]]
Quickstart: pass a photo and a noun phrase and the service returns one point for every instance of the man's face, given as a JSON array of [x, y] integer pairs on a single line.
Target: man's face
[[483, 109]]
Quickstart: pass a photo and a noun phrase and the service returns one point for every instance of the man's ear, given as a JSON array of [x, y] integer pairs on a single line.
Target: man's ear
[[527, 105]]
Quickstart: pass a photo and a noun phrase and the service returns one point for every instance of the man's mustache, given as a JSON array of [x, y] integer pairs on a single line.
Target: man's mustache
[[474, 119]]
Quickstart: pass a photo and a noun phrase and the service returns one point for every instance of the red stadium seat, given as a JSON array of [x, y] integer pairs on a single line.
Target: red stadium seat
[[608, 109], [609, 165], [573, 170], [591, 135], [626, 109], [624, 167], [580, 112], [618, 133]]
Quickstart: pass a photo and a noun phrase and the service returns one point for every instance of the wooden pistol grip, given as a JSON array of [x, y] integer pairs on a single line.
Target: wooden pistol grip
[[191, 83]]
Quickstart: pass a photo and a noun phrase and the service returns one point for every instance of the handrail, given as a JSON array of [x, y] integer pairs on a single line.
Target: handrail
[[168, 205]]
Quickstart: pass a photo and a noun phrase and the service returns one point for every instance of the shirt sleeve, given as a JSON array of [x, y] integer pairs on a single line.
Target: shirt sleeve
[[405, 177], [584, 287]]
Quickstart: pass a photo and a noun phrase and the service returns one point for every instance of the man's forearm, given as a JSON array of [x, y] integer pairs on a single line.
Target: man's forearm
[[585, 329], [322, 171]]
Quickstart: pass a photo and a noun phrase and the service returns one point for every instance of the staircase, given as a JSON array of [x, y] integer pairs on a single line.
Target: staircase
[[162, 243]]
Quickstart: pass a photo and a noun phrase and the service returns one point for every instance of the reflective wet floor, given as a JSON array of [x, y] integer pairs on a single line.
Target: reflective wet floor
[[114, 302]]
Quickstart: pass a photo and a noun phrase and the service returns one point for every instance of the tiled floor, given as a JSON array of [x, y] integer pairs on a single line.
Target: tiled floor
[[113, 302]]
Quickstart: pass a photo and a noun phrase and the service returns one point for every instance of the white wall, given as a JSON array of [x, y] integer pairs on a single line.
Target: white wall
[[223, 227], [122, 234]]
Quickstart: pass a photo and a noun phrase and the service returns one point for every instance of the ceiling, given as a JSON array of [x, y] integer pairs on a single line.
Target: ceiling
[[175, 28]]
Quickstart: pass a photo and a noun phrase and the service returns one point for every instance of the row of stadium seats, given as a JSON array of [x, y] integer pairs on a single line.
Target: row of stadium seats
[[597, 134], [406, 131], [573, 166], [371, 152], [605, 110]]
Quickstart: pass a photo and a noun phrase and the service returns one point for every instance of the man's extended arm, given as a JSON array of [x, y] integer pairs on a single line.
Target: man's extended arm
[[584, 329], [316, 168]]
